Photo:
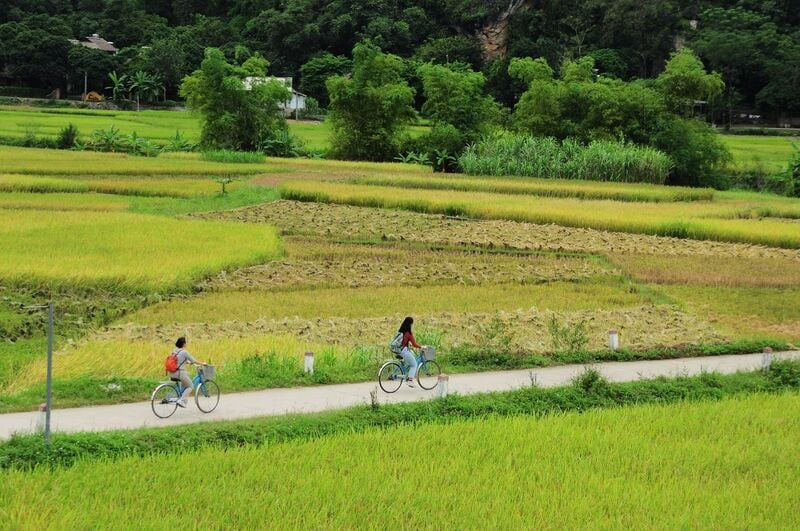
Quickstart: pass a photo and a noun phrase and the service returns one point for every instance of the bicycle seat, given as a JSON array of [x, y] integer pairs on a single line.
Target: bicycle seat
[[174, 379]]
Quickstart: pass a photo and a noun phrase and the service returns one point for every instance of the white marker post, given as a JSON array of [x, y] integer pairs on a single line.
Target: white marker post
[[766, 358], [613, 340], [444, 383], [308, 366]]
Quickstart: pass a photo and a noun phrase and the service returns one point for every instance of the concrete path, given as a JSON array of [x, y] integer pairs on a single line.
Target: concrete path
[[326, 397]]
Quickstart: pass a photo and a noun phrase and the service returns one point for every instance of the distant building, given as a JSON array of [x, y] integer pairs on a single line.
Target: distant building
[[96, 42], [297, 101]]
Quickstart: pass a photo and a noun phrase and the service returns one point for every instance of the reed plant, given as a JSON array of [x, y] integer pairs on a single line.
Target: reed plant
[[600, 160]]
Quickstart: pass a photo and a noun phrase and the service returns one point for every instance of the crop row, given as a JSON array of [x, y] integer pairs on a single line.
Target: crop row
[[700, 221], [547, 188], [655, 465], [146, 186]]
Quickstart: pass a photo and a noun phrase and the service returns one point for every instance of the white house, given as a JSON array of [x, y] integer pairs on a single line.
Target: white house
[[297, 101]]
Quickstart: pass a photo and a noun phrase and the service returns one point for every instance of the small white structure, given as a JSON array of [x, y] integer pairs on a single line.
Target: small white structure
[[297, 101]]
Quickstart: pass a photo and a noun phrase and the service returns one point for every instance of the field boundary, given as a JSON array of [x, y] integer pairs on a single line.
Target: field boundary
[[332, 397]]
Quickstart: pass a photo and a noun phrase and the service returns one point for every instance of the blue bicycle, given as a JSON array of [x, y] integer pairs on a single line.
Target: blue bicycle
[[164, 399], [393, 373]]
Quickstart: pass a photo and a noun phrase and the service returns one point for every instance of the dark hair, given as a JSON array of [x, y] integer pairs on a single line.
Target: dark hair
[[406, 326], [180, 342]]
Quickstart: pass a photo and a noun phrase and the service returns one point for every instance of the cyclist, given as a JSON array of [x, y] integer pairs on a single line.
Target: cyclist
[[182, 375], [405, 351]]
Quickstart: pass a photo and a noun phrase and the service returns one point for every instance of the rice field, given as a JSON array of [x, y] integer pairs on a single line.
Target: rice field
[[694, 220], [126, 251], [770, 152], [141, 186], [657, 466]]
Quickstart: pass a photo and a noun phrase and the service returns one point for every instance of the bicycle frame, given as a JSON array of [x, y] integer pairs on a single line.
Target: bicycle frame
[[405, 368], [197, 380]]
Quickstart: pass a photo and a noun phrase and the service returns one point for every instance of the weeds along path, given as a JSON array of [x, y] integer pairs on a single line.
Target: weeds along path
[[314, 399], [350, 222]]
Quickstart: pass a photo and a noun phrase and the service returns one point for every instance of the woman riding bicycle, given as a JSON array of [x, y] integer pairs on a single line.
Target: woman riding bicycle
[[182, 375], [405, 351]]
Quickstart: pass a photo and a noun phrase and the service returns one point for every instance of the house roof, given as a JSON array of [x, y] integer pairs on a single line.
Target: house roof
[[96, 42]]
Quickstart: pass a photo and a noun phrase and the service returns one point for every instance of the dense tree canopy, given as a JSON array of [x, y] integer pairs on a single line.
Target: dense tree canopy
[[754, 45]]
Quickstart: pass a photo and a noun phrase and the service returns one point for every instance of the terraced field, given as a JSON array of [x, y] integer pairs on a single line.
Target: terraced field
[[164, 254]]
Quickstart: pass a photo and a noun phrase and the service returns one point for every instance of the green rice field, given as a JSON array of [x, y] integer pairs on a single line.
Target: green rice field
[[657, 466]]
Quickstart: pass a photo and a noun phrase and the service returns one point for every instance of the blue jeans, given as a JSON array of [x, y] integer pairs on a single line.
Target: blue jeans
[[410, 360]]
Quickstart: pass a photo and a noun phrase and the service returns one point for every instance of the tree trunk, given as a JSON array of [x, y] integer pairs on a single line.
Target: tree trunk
[[494, 35]]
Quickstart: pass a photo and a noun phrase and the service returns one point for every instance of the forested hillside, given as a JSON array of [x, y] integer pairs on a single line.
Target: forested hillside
[[755, 45]]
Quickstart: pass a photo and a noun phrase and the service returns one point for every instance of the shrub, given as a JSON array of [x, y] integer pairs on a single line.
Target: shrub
[[698, 153], [526, 155], [227, 155], [67, 137], [566, 337]]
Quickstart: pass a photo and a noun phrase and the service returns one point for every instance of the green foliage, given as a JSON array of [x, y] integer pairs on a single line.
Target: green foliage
[[566, 337], [697, 150], [315, 73], [233, 116], [368, 109], [685, 80], [792, 173], [528, 70], [530, 156], [446, 50], [67, 137], [237, 157]]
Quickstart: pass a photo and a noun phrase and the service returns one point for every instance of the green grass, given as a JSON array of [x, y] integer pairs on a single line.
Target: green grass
[[128, 251], [701, 220], [771, 152], [159, 126], [655, 465]]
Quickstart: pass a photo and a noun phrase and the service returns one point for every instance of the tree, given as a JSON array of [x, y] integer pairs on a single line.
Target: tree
[[316, 72], [119, 85], [233, 116], [456, 96], [368, 109], [93, 64], [528, 70], [685, 80], [36, 50]]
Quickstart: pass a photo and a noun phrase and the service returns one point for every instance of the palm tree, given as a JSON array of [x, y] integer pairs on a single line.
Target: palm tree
[[117, 84], [155, 87]]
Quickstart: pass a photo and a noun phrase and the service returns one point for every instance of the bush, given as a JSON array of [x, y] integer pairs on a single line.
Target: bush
[[227, 155], [600, 160], [67, 137], [697, 151]]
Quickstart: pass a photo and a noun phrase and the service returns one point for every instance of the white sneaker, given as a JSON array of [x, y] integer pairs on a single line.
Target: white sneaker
[[182, 403], [410, 383]]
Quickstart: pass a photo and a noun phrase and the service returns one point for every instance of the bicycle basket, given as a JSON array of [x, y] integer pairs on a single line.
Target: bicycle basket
[[209, 372], [428, 353]]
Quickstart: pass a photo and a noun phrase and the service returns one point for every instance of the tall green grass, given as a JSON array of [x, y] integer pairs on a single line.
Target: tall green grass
[[653, 466], [230, 156], [600, 160]]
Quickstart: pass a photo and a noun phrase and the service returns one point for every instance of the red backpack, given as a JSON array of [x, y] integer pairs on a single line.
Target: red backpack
[[171, 365]]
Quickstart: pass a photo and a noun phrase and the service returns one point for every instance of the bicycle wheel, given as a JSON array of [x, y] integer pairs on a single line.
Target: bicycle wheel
[[390, 377], [206, 396], [428, 374], [164, 400]]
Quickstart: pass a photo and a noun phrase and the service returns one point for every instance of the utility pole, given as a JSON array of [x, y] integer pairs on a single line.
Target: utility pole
[[85, 85], [49, 384]]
